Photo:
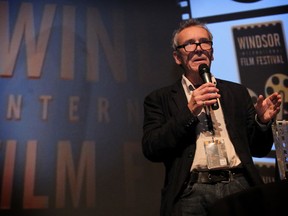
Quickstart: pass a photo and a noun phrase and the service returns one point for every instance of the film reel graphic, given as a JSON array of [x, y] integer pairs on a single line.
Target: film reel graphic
[[279, 83], [276, 83]]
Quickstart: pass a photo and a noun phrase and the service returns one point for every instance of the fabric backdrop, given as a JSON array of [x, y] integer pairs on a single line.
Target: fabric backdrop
[[73, 76]]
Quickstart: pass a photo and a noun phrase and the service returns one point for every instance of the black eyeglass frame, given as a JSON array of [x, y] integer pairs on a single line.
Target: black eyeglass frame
[[197, 44]]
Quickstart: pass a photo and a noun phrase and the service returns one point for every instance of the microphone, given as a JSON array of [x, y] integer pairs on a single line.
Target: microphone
[[205, 74]]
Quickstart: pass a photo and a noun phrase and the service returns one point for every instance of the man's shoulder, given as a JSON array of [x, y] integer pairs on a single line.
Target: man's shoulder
[[232, 88], [229, 83], [167, 89]]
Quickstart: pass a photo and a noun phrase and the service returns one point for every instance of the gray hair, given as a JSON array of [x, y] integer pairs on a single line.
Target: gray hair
[[185, 24]]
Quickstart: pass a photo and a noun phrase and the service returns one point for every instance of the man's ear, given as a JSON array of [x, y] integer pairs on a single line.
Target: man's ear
[[212, 56], [177, 58]]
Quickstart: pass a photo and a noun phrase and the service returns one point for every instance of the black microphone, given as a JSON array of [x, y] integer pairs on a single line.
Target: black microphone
[[205, 74]]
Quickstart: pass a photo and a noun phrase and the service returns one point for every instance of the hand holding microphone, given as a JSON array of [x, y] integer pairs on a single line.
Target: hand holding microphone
[[205, 75]]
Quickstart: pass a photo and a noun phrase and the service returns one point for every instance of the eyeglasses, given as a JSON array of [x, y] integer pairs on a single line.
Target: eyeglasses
[[192, 46]]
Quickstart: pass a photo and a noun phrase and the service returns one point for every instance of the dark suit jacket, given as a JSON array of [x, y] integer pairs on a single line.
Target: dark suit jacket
[[169, 134]]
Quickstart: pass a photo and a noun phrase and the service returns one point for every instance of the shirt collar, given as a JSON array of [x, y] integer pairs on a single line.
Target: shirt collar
[[186, 85]]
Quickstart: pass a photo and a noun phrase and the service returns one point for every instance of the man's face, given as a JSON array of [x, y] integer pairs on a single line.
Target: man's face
[[191, 60]]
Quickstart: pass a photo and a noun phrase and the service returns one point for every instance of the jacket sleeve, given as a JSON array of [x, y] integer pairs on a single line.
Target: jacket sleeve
[[260, 140], [239, 113], [165, 128]]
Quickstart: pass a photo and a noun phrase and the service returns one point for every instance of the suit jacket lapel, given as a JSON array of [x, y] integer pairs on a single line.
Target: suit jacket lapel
[[178, 95], [224, 99], [226, 108]]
